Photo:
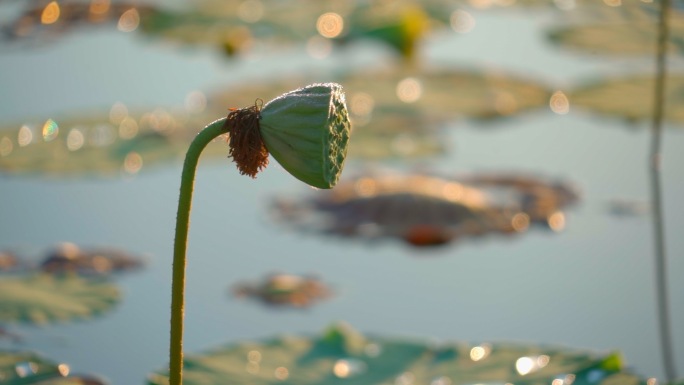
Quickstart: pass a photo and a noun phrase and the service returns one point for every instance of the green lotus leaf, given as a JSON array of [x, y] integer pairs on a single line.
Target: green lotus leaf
[[626, 38], [29, 368], [98, 144], [44, 298], [342, 355], [630, 97], [396, 115], [235, 25]]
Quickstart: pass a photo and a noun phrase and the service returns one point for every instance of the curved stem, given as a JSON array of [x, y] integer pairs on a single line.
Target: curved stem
[[656, 195], [198, 144]]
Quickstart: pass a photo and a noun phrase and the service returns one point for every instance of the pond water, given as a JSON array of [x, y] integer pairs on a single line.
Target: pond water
[[590, 286]]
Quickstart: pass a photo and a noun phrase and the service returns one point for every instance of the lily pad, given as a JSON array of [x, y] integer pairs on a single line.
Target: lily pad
[[630, 97], [46, 20], [440, 94], [428, 210], [626, 38], [99, 144], [342, 355], [44, 298], [285, 290], [28, 368], [399, 114], [69, 258], [236, 25]]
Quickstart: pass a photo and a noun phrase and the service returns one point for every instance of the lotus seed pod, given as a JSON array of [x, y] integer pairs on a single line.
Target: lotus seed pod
[[307, 131]]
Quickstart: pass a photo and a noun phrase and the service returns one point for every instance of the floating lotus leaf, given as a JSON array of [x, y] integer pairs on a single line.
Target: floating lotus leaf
[[43, 298], [342, 355], [47, 20], [439, 93], [426, 210], [98, 145], [285, 289], [28, 368], [235, 25], [626, 38], [630, 97], [69, 258]]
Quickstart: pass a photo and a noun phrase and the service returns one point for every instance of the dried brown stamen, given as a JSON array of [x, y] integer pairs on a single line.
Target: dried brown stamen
[[246, 145]]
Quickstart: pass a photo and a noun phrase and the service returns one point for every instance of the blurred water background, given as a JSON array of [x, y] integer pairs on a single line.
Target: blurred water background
[[590, 286]]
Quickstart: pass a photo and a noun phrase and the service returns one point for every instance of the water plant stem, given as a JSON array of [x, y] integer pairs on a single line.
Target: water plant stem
[[209, 133], [656, 194]]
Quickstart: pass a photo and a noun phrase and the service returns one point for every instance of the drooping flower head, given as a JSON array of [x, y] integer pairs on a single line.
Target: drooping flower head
[[306, 130]]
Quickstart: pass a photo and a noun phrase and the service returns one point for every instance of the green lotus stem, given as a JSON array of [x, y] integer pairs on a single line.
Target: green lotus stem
[[209, 133], [306, 131], [656, 195]]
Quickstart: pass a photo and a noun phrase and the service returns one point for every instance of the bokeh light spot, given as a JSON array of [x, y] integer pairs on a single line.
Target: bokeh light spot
[[556, 221], [128, 128], [50, 130], [341, 369], [99, 7], [559, 103], [409, 90], [330, 25], [50, 13], [63, 369], [26, 368], [524, 365], [25, 136], [362, 104], [132, 163], [478, 353], [254, 356], [129, 21], [462, 21], [75, 139], [613, 3], [348, 368], [520, 222], [281, 373]]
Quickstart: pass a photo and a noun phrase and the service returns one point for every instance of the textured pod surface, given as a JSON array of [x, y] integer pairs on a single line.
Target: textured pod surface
[[307, 131]]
